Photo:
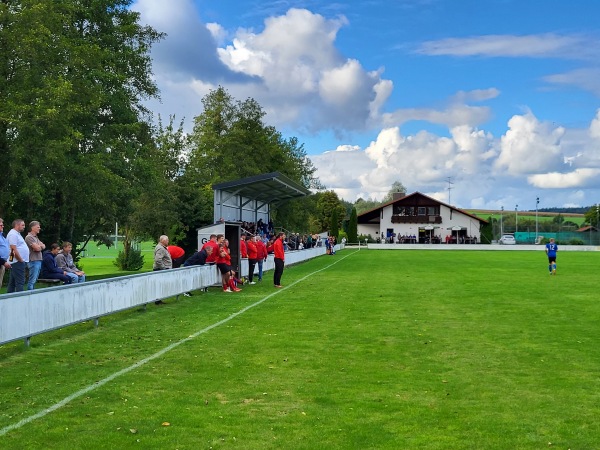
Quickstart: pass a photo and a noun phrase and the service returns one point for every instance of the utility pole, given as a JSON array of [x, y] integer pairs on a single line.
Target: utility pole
[[501, 226], [450, 183], [516, 218], [537, 202]]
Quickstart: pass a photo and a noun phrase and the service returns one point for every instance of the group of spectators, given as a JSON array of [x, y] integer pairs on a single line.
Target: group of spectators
[[216, 251], [28, 259]]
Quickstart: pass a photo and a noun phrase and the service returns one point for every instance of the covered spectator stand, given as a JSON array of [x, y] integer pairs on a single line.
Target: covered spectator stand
[[250, 199]]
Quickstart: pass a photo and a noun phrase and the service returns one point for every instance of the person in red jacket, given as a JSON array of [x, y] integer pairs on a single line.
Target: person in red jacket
[[215, 240], [262, 256], [243, 246], [252, 258], [279, 253], [177, 255], [224, 265]]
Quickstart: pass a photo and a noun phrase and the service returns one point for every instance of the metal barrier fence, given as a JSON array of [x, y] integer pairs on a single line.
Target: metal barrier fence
[[26, 314]]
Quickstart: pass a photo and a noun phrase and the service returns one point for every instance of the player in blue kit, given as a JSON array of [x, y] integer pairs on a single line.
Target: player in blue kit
[[551, 249]]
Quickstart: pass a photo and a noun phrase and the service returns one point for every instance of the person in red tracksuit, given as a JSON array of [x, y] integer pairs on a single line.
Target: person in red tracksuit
[[243, 246], [224, 265], [252, 258], [261, 249], [279, 253], [215, 240]]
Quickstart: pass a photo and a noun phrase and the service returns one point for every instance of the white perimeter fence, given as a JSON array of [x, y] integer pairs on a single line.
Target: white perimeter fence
[[26, 314]]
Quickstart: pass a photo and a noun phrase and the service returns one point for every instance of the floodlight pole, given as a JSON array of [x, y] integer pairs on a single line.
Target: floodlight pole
[[537, 202], [501, 225], [516, 218]]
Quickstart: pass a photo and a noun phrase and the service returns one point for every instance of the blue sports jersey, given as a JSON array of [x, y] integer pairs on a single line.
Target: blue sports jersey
[[551, 248]]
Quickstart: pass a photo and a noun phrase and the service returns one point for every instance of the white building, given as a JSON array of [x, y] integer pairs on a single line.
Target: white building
[[417, 218]]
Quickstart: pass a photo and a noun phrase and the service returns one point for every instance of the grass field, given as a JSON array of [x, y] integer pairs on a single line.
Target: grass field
[[364, 349]]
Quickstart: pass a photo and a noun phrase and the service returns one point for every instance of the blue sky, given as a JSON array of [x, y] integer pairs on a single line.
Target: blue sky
[[500, 96]]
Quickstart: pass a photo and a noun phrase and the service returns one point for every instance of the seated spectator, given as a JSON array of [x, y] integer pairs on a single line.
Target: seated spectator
[[177, 255], [64, 261], [50, 269], [199, 258]]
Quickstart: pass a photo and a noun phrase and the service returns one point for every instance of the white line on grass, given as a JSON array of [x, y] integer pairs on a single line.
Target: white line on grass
[[158, 354]]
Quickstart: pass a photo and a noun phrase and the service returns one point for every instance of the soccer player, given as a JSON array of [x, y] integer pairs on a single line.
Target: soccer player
[[551, 249]]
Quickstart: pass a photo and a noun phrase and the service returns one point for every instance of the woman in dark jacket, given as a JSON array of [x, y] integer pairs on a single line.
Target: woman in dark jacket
[[49, 268]]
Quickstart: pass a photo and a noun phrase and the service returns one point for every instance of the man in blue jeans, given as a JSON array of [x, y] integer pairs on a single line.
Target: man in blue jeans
[[18, 258], [36, 247]]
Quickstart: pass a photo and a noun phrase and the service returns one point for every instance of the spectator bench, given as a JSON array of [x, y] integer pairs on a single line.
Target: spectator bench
[[49, 281]]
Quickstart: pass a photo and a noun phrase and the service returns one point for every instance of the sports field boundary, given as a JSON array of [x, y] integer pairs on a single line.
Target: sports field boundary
[[480, 247]]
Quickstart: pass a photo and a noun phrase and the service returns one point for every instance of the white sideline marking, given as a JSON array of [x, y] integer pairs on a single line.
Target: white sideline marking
[[158, 354]]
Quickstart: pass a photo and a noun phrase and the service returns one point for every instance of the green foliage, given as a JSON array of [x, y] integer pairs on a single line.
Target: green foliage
[[576, 242], [132, 260], [397, 187], [353, 227], [73, 78], [231, 141], [326, 203], [363, 205], [334, 229]]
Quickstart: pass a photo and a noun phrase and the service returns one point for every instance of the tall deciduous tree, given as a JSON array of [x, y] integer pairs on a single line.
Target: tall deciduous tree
[[72, 125], [397, 187], [353, 227], [334, 229], [230, 141]]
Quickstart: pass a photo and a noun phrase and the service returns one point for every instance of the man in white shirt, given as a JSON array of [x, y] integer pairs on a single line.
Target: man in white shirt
[[19, 256]]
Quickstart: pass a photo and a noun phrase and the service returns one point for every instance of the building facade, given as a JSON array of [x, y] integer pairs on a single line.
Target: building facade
[[417, 218]]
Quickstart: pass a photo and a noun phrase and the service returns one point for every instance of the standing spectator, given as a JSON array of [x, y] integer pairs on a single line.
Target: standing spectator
[[50, 269], [4, 252], [18, 258], [252, 258], [279, 259], [177, 255], [64, 260], [261, 250], [243, 246], [162, 258], [36, 247]]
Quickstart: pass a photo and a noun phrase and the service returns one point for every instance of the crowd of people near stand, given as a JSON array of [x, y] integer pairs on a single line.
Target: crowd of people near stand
[[28, 260], [216, 251]]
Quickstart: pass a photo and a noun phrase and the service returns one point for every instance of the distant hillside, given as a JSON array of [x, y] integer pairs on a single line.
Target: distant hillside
[[565, 211]]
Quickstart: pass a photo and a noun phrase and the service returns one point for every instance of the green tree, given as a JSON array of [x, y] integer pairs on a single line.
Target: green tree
[[335, 227], [592, 216], [363, 205], [230, 141], [72, 80], [326, 203], [397, 187], [353, 227]]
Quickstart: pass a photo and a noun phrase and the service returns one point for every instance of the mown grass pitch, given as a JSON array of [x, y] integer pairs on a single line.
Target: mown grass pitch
[[369, 349]]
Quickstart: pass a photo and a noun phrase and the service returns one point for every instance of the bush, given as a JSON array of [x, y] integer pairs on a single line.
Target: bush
[[576, 241], [369, 238], [130, 262]]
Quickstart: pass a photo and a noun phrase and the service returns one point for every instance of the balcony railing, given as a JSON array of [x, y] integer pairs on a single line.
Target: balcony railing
[[416, 219]]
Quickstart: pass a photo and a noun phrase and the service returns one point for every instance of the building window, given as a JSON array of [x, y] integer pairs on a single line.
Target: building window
[[432, 211], [422, 210]]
